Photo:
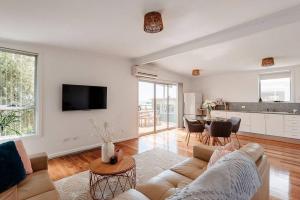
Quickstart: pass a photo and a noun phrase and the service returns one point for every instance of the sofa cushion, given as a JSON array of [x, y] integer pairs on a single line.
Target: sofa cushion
[[163, 185], [131, 195], [217, 155], [50, 195], [35, 184], [229, 147], [11, 168], [24, 157], [191, 168]]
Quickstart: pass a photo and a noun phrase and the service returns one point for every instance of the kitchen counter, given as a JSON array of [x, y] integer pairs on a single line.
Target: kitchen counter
[[261, 112]]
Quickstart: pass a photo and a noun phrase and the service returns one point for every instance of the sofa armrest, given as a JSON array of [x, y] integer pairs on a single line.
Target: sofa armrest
[[203, 152], [39, 161], [11, 194]]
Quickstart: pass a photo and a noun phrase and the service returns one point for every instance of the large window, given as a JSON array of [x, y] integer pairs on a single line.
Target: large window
[[275, 87], [17, 93]]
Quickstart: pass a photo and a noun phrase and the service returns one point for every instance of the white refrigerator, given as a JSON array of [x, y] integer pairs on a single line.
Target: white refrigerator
[[192, 104]]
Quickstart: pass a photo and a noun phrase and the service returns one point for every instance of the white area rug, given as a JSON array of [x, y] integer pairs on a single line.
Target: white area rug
[[148, 165]]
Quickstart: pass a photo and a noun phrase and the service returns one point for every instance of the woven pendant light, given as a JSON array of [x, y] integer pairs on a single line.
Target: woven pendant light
[[267, 62], [153, 22], [196, 72]]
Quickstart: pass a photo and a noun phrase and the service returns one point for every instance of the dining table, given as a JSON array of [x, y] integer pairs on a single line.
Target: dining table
[[205, 137], [207, 120]]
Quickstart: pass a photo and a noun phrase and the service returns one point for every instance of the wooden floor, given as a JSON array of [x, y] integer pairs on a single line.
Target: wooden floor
[[284, 159]]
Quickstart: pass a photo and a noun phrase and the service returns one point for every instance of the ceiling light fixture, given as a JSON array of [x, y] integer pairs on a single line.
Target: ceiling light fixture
[[267, 62], [153, 22], [196, 72]]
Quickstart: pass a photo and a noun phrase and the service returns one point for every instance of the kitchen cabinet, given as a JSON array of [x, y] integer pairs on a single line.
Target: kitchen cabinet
[[245, 120], [274, 124], [292, 126], [257, 123], [281, 125], [220, 114]]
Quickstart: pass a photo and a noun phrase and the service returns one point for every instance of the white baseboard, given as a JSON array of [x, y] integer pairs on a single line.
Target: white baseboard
[[83, 148]]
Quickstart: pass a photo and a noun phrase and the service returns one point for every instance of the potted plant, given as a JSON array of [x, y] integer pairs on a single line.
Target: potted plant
[[107, 148], [7, 120], [209, 105]]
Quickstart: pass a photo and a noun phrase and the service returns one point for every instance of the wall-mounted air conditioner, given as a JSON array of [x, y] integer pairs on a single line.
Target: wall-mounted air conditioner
[[143, 73]]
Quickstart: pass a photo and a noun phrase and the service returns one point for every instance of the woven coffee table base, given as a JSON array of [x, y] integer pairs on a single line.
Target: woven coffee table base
[[108, 186]]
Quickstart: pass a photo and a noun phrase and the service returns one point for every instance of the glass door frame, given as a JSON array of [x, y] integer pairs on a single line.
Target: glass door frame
[[154, 103]]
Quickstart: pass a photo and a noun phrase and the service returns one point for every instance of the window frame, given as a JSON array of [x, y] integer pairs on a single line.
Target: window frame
[[37, 95], [277, 73]]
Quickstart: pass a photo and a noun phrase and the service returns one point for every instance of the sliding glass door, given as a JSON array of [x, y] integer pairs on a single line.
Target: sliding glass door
[[146, 107], [157, 107], [161, 101]]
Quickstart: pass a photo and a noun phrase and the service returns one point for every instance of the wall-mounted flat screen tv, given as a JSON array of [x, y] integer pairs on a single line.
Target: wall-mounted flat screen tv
[[83, 97]]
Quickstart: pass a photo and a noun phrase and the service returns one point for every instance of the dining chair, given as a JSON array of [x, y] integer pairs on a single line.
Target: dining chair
[[218, 129], [236, 122], [193, 127]]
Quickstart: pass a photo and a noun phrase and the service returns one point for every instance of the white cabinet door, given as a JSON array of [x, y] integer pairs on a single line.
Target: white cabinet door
[[297, 84], [189, 104], [217, 113], [274, 124], [198, 100], [292, 126], [257, 123], [192, 102], [245, 120]]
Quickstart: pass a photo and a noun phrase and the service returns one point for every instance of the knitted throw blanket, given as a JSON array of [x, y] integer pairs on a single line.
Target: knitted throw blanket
[[233, 177]]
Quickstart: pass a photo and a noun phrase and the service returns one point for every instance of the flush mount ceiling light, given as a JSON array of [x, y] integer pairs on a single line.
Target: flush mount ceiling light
[[153, 22], [267, 62], [196, 72]]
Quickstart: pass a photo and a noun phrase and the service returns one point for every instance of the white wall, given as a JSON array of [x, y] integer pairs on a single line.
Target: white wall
[[57, 66], [241, 86]]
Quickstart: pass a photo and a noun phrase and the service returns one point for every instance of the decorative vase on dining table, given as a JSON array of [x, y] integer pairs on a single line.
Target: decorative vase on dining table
[[107, 151]]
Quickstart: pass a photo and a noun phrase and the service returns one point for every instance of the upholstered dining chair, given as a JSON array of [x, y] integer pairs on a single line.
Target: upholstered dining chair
[[236, 122], [193, 127], [218, 129]]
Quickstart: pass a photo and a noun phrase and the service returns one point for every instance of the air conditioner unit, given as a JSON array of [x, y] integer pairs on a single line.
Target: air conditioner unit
[[143, 73]]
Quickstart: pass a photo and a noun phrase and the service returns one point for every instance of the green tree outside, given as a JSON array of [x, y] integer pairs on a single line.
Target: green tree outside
[[17, 91]]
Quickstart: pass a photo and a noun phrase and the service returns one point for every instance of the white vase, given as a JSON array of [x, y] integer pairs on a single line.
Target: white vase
[[107, 151]]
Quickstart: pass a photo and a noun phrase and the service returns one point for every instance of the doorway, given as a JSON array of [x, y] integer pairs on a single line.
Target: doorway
[[158, 107]]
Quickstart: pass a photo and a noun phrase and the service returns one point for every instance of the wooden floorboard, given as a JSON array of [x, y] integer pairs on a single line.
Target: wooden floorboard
[[284, 159]]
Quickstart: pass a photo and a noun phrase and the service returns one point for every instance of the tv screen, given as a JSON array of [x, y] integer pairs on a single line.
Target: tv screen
[[82, 97]]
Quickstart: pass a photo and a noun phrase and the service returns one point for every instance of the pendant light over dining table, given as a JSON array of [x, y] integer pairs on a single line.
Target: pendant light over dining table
[[153, 22], [196, 72], [267, 62]]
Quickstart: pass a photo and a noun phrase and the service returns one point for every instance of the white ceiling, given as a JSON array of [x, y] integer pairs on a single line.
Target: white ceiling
[[116, 27], [245, 53]]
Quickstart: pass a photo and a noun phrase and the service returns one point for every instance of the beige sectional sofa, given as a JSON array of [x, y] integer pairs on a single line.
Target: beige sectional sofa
[[36, 186], [166, 183]]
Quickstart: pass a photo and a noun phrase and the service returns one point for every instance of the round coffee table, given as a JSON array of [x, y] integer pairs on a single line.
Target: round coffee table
[[107, 180]]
